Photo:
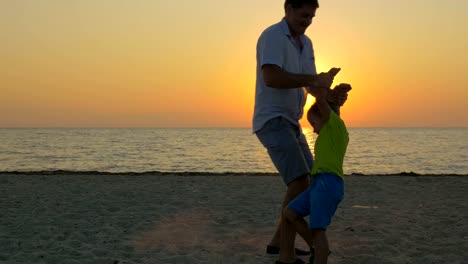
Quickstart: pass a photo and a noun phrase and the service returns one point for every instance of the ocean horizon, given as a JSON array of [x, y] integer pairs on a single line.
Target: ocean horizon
[[193, 151]]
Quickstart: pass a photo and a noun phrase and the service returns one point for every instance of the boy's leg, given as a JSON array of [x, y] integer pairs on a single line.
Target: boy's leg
[[324, 200], [316, 237], [322, 249], [320, 201], [295, 188], [288, 236], [299, 224], [299, 208], [293, 221]]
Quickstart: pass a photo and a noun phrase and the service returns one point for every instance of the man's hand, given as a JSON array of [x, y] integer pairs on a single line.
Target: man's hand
[[325, 79], [334, 71], [339, 94]]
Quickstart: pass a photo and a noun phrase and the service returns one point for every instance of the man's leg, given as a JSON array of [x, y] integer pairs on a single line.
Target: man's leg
[[288, 237], [304, 146], [290, 153], [292, 223], [295, 188]]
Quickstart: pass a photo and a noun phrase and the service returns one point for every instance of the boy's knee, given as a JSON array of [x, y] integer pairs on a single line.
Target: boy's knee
[[317, 232]]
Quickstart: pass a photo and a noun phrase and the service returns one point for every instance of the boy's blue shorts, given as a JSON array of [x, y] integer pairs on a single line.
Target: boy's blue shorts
[[320, 200]]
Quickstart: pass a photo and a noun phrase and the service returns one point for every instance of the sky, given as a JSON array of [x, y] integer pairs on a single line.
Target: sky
[[154, 63]]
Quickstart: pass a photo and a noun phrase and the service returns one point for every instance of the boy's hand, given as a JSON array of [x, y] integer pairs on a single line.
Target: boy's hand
[[345, 87], [339, 94]]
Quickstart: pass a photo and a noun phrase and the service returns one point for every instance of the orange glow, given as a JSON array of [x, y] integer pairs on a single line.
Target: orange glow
[[184, 64]]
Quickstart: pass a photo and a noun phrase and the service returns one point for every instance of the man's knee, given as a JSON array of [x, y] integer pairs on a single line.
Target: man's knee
[[298, 185], [289, 215]]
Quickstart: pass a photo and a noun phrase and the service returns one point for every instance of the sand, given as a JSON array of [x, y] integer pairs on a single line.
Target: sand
[[110, 219]]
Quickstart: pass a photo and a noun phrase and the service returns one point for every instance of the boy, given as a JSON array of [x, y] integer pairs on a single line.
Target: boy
[[321, 199]]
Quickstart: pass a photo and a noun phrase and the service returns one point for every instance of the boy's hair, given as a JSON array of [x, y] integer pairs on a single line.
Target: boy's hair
[[314, 109], [300, 3]]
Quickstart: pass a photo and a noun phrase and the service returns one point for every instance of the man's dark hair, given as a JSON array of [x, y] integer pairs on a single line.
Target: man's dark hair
[[300, 3]]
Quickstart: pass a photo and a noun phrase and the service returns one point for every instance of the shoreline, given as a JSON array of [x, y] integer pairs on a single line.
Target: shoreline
[[188, 173]]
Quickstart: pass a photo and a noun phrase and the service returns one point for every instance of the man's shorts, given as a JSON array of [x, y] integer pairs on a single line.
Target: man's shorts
[[287, 147], [320, 200]]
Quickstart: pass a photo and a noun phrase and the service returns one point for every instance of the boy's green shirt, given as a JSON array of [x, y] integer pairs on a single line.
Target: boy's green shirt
[[330, 146]]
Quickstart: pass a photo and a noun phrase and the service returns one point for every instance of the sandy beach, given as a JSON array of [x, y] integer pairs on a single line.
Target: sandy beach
[[110, 219]]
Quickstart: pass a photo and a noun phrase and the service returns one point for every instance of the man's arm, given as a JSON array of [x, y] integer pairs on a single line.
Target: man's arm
[[276, 77]]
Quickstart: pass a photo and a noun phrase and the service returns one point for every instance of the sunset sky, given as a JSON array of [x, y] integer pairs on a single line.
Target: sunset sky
[[154, 63]]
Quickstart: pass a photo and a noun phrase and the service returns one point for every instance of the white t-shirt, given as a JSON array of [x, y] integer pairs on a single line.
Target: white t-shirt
[[276, 46]]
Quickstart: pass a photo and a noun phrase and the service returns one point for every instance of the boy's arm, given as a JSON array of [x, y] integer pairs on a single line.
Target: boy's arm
[[322, 104], [334, 106]]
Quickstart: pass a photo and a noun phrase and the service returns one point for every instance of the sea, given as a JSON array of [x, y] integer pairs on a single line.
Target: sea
[[371, 151]]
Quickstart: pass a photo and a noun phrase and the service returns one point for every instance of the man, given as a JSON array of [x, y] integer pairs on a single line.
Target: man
[[285, 66]]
